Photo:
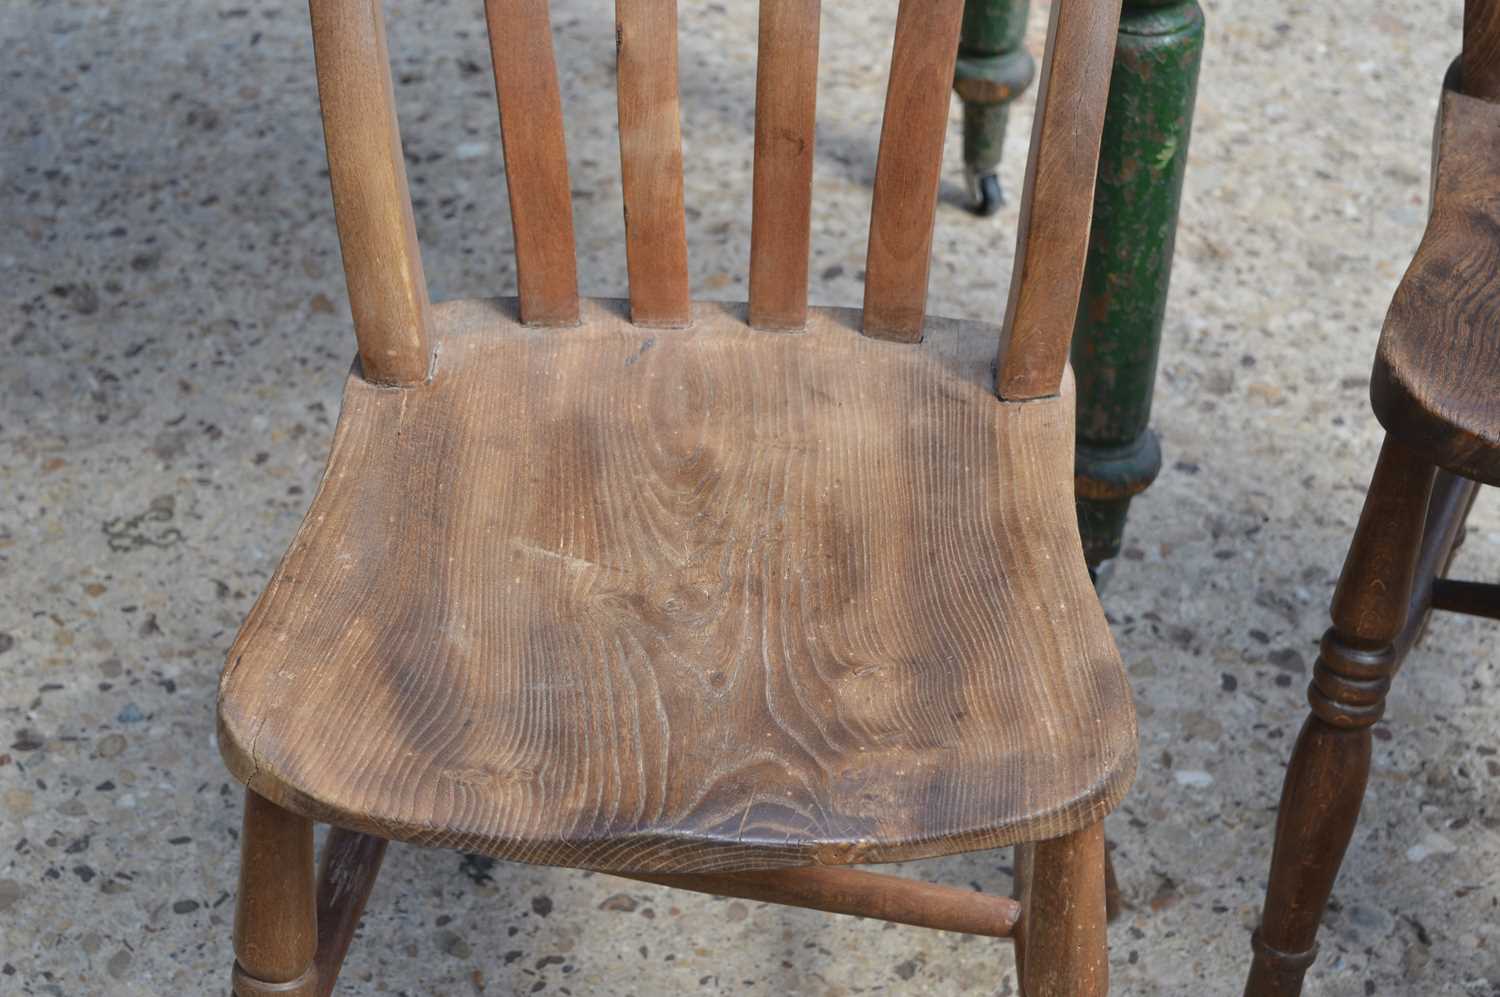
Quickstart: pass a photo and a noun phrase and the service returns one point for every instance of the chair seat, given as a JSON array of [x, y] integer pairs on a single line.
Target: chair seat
[[1436, 385], [707, 599]]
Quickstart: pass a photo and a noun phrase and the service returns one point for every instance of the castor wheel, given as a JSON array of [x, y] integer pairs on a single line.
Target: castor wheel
[[985, 194]]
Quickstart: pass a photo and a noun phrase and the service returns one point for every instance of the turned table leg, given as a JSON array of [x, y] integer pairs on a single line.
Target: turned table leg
[[1143, 158], [993, 69]]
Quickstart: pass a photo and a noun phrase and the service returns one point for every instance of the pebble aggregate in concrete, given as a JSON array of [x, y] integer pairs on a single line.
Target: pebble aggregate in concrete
[[176, 331]]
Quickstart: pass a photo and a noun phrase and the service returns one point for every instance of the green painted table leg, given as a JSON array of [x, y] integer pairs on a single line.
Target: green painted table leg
[[993, 69], [1118, 335]]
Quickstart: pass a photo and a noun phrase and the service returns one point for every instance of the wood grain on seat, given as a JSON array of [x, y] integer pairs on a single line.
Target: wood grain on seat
[[688, 600], [1436, 385]]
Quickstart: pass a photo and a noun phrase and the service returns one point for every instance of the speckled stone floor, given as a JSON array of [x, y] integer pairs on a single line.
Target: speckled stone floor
[[175, 333]]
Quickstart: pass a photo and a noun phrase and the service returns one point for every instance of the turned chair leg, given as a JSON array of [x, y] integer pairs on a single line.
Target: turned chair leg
[[1062, 948], [275, 927], [1325, 781]]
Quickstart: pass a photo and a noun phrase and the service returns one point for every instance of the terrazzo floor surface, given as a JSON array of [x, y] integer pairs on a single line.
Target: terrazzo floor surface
[[175, 334]]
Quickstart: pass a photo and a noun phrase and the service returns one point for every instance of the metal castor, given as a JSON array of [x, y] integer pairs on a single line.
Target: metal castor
[[993, 69], [985, 194]]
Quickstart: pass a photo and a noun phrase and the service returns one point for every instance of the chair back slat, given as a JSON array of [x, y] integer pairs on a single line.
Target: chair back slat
[[909, 167], [536, 160], [651, 162], [786, 94], [1057, 202], [377, 234], [382, 264]]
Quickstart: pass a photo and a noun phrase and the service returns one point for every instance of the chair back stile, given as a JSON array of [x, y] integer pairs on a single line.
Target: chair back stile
[[1057, 203], [378, 238]]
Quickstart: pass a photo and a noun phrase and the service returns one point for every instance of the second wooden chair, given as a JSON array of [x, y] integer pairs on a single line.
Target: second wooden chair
[[1436, 390]]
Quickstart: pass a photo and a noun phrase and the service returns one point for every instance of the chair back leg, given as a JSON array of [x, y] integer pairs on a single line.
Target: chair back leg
[[346, 875]]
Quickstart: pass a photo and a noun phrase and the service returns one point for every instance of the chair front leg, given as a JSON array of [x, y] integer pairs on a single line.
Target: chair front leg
[[275, 926], [1325, 781], [1062, 949]]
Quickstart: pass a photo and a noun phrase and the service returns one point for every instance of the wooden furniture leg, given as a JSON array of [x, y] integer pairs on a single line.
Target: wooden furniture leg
[[1142, 161], [275, 925], [1452, 498], [351, 862], [1325, 781], [993, 69], [1024, 862], [1063, 949], [1114, 900], [1149, 118]]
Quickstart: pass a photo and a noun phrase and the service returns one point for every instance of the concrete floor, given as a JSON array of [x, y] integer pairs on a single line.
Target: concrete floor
[[175, 333]]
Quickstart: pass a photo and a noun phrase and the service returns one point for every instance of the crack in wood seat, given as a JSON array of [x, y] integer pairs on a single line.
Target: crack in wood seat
[[1436, 385], [686, 600]]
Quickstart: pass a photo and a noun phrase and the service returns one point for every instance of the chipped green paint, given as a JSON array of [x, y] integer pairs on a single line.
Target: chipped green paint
[[993, 69], [1118, 333]]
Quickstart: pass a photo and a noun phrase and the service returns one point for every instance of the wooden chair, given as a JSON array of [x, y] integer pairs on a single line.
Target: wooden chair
[[726, 598], [1436, 390]]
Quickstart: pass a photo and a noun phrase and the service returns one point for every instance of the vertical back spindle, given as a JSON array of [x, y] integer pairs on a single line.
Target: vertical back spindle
[[651, 162], [1057, 204], [382, 263], [786, 93], [536, 159], [909, 167]]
